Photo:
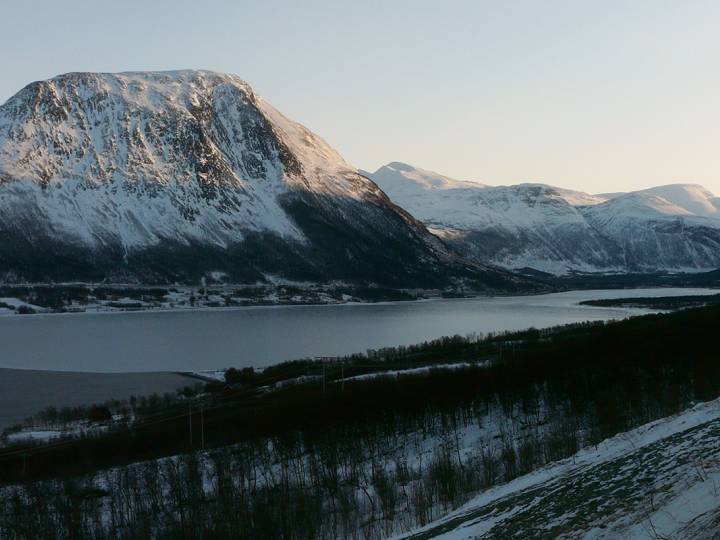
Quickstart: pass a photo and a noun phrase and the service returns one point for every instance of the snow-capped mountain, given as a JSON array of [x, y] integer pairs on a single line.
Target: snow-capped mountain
[[176, 175], [692, 198], [655, 233], [663, 229]]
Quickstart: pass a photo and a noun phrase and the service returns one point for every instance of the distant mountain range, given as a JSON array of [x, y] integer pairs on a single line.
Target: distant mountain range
[[188, 175], [176, 176], [674, 228]]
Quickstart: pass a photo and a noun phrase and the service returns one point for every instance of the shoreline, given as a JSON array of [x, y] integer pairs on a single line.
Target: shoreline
[[246, 336], [24, 392], [352, 303]]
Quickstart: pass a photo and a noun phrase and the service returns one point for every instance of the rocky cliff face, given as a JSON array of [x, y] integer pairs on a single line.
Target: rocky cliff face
[[177, 175], [665, 229]]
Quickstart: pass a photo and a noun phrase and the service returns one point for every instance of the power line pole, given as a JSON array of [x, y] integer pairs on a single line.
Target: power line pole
[[202, 424], [324, 360], [190, 421]]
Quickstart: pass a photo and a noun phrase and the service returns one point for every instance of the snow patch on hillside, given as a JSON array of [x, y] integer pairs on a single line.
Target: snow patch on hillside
[[681, 485]]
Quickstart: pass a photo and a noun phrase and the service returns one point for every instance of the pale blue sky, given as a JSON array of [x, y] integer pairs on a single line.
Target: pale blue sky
[[594, 95]]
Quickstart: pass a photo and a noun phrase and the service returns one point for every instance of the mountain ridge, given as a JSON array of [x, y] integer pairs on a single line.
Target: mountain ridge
[[173, 176], [670, 228]]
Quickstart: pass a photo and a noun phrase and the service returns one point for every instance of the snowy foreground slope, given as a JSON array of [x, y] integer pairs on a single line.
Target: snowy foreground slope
[[164, 176], [668, 228], [661, 480]]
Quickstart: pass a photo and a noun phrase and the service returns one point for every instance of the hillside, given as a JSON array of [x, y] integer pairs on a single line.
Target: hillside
[[183, 175], [657, 481], [463, 433]]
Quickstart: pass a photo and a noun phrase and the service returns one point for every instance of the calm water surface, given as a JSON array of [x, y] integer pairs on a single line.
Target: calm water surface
[[24, 392], [197, 340]]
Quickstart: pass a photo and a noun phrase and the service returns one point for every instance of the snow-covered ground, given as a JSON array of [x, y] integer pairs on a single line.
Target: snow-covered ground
[[412, 371], [34, 435], [211, 374], [47, 433], [661, 480], [12, 305]]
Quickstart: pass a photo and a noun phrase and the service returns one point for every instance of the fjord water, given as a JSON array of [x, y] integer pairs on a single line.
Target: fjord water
[[260, 336]]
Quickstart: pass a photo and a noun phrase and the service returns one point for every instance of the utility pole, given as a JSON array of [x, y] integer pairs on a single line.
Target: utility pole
[[324, 360], [342, 377], [202, 424], [190, 421]]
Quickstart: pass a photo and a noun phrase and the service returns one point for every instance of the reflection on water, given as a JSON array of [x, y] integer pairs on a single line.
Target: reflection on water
[[154, 341]]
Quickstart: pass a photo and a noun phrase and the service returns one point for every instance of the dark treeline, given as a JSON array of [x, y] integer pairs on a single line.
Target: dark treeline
[[447, 349], [628, 281], [346, 460], [59, 297], [69, 297], [657, 302]]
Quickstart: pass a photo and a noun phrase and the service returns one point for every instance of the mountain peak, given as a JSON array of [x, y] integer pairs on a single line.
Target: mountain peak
[[162, 76], [692, 198], [134, 81], [399, 173], [559, 230], [178, 174], [399, 166]]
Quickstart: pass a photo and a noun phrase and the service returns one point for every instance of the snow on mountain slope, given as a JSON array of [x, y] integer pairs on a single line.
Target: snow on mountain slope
[[579, 198], [173, 175], [88, 149], [431, 197], [695, 199], [527, 225], [409, 187], [657, 481], [105, 139], [643, 205], [670, 228], [654, 233], [396, 173]]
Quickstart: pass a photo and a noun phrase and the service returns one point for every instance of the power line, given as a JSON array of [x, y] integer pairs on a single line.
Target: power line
[[147, 421]]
